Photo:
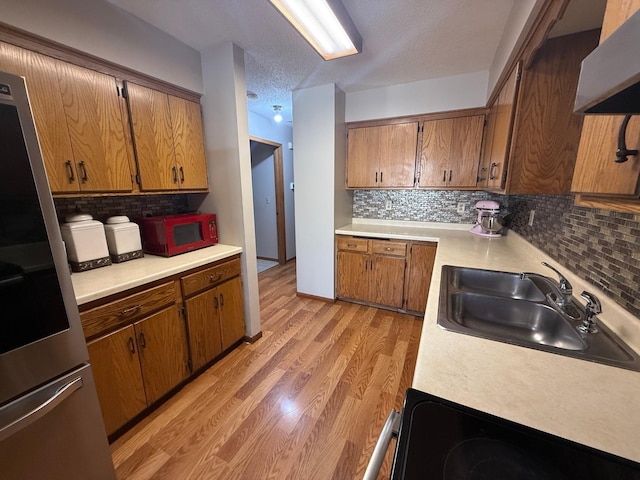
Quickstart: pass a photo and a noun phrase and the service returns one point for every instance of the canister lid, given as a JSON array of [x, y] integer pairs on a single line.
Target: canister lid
[[117, 219], [78, 217]]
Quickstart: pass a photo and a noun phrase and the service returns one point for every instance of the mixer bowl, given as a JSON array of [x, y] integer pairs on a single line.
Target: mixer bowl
[[491, 224]]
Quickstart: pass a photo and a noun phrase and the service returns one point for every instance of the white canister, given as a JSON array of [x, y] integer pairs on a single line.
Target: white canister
[[123, 239], [85, 242]]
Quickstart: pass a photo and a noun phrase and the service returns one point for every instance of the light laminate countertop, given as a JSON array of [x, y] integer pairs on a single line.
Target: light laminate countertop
[[104, 281], [589, 403]]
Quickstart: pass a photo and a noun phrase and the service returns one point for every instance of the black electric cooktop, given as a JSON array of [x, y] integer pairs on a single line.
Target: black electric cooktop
[[443, 440]]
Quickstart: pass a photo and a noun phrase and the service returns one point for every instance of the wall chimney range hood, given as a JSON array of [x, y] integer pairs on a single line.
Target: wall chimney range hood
[[610, 76]]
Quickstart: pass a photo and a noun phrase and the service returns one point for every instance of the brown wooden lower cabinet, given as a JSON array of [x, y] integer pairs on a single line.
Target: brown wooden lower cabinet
[[140, 344], [390, 273]]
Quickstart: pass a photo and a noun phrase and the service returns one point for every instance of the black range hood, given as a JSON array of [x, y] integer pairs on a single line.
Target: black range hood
[[610, 76]]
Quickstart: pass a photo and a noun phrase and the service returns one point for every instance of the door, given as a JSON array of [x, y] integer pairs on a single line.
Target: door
[[386, 280], [231, 312], [435, 154], [421, 259], [364, 147], [203, 319], [398, 155], [352, 275], [188, 142], [162, 346], [116, 367], [465, 150]]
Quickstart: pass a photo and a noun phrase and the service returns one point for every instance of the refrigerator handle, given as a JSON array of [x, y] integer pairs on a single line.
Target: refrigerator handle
[[389, 431], [41, 410]]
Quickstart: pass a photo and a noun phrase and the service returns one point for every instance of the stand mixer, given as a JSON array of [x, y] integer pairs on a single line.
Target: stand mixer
[[488, 221]]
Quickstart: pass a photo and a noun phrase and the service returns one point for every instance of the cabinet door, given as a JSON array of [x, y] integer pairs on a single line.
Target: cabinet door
[[162, 345], [421, 260], [203, 320], [397, 162], [466, 141], [231, 312], [502, 128], [96, 129], [386, 280], [352, 275], [48, 113], [596, 170], [152, 133], [118, 378], [188, 141], [435, 153], [364, 146]]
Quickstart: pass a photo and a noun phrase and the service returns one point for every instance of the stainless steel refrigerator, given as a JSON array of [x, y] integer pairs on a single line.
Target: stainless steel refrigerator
[[50, 421]]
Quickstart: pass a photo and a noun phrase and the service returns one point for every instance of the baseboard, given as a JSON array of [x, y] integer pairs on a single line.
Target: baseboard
[[253, 339], [315, 297]]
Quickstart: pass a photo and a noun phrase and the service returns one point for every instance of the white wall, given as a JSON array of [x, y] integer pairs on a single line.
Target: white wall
[[435, 95], [282, 133], [264, 205], [224, 108], [314, 140], [106, 31], [343, 198]]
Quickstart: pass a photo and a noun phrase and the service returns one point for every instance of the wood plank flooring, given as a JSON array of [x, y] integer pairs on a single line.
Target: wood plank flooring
[[306, 401]]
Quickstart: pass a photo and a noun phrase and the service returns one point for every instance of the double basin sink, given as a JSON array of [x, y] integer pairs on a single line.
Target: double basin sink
[[514, 308]]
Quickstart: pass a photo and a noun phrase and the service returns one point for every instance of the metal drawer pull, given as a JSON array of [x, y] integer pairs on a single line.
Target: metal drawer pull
[[83, 168], [175, 174], [623, 151], [41, 410], [351, 245], [450, 173], [376, 177], [389, 249], [444, 176], [215, 278], [181, 175], [222, 300], [131, 309], [143, 341], [492, 175], [132, 345], [389, 430], [215, 302], [381, 176]]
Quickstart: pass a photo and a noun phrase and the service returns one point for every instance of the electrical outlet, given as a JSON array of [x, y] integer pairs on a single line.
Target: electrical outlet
[[461, 207], [146, 213], [267, 200], [387, 205], [532, 213]]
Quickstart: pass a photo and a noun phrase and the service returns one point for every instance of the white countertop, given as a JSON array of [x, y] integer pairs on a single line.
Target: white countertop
[[590, 403], [116, 278]]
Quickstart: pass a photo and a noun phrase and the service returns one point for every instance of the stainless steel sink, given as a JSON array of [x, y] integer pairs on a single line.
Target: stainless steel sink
[[513, 308]]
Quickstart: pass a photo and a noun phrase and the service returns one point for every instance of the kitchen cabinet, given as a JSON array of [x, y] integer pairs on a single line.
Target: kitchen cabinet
[[610, 185], [532, 133], [382, 156], [390, 273], [214, 309], [450, 152], [79, 121], [168, 139], [421, 258]]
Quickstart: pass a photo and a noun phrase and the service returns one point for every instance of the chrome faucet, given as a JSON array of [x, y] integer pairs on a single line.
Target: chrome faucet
[[564, 289], [592, 309]]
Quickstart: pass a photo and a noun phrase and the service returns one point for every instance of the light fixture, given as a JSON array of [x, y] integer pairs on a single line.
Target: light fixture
[[277, 117], [325, 24]]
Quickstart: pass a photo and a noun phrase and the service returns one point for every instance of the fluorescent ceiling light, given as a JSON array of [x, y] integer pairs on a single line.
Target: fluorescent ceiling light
[[325, 24]]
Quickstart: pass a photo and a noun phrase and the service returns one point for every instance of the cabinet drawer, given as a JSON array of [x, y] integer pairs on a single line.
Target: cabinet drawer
[[123, 311], [210, 276], [389, 248], [352, 244]]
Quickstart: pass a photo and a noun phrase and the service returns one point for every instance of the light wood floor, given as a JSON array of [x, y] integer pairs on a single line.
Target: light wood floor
[[307, 401]]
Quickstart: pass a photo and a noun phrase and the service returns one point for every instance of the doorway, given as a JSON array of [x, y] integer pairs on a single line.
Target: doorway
[[268, 200]]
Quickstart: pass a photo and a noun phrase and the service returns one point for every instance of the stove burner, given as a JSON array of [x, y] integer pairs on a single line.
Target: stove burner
[[491, 459]]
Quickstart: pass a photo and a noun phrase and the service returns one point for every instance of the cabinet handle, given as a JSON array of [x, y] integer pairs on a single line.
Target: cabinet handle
[[351, 245], [222, 300], [70, 169], [492, 175], [181, 175], [376, 177], [214, 278], [623, 151], [143, 341], [444, 176], [131, 309], [84, 177], [381, 176], [388, 249], [175, 174], [215, 302], [132, 345], [450, 173]]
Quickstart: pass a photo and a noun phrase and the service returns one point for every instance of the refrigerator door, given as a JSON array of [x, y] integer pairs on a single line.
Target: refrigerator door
[[56, 432]]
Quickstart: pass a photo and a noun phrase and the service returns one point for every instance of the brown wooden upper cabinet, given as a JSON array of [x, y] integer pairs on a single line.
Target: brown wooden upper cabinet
[[168, 139], [450, 152], [532, 133], [382, 156], [79, 121], [596, 171]]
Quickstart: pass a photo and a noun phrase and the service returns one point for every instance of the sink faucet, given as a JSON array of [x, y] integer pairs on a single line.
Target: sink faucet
[[564, 289], [592, 309]]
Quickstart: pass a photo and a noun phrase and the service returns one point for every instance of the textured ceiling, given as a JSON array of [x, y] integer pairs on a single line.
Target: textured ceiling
[[403, 41]]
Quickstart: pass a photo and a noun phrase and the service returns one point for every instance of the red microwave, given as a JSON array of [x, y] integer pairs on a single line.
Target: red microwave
[[169, 235]]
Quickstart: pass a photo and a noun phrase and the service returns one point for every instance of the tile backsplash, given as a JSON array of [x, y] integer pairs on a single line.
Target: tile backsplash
[[600, 246], [134, 207]]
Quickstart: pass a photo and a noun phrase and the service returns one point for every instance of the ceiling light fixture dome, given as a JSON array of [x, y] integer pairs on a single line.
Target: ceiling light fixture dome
[[278, 116]]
